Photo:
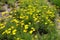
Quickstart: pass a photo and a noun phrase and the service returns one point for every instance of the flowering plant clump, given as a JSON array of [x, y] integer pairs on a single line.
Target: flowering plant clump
[[33, 20]]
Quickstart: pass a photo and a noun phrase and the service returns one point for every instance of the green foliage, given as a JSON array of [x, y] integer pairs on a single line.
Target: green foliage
[[56, 2]]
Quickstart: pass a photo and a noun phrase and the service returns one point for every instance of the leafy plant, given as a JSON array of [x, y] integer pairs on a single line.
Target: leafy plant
[[33, 20], [56, 2]]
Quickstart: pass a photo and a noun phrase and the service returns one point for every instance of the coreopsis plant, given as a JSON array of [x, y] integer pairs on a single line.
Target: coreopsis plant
[[33, 20]]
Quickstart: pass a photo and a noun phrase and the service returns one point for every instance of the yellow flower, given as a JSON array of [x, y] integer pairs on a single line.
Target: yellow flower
[[46, 23], [9, 29], [18, 38], [38, 21], [2, 27], [25, 30], [3, 33], [29, 23], [15, 20], [33, 16], [22, 17], [3, 13], [22, 23], [14, 31], [49, 12], [58, 20], [12, 27], [35, 19], [8, 32], [36, 36], [31, 31], [1, 24], [26, 26], [30, 6]]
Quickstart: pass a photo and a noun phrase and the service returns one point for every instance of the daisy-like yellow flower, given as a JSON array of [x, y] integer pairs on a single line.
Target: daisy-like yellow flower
[[15, 20], [35, 19], [12, 27], [7, 31], [25, 30], [2, 27], [22, 23], [22, 17], [14, 31], [26, 26], [18, 38], [49, 12], [31, 31]]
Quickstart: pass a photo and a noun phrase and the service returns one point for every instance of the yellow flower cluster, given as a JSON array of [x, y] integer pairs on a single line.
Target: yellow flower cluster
[[15, 20], [28, 18], [8, 31], [31, 31], [2, 26], [14, 31]]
